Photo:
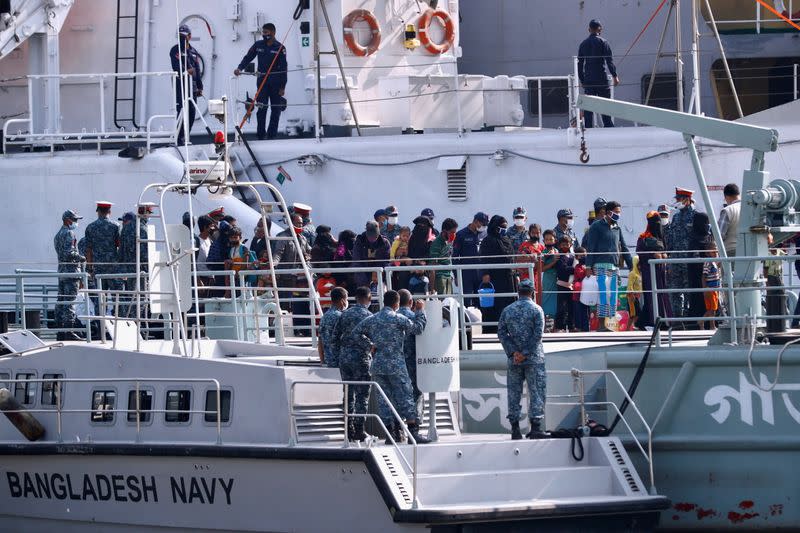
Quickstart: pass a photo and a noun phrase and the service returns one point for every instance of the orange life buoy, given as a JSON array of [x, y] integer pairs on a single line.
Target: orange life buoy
[[350, 38], [449, 31]]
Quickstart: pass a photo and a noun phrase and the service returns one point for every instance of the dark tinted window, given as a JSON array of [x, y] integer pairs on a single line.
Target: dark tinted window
[[25, 392], [179, 403], [103, 404], [211, 405], [145, 405], [51, 390]]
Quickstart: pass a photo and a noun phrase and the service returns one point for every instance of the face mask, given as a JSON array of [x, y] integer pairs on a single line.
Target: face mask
[[570, 223], [73, 226], [534, 238], [267, 37], [298, 231], [478, 228], [503, 232], [678, 205], [615, 217], [451, 237], [519, 222], [393, 221], [306, 221]]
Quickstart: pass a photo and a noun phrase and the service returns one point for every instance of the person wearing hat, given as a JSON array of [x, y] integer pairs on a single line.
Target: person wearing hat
[[564, 227], [391, 227], [102, 244], [69, 261], [272, 64], [217, 214], [309, 230], [663, 212], [651, 246], [594, 56], [678, 237], [184, 58], [370, 250], [126, 255], [288, 256], [520, 331], [428, 212], [729, 218], [599, 213], [465, 252], [518, 233]]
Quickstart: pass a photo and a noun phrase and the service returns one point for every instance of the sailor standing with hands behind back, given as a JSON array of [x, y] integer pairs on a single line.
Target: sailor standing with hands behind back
[[520, 331]]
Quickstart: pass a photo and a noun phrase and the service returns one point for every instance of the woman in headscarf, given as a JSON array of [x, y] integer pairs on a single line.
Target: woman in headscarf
[[497, 249], [651, 246], [343, 257], [699, 241]]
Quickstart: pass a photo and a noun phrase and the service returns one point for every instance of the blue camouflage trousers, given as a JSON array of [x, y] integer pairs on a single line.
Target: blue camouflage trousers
[[534, 375], [398, 389], [357, 395], [65, 313], [411, 366]]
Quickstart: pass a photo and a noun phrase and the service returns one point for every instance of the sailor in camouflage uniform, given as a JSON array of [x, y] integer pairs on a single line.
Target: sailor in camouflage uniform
[[520, 331], [354, 361], [410, 343], [127, 252], [518, 233], [385, 333], [102, 242], [327, 347], [69, 260], [677, 237]]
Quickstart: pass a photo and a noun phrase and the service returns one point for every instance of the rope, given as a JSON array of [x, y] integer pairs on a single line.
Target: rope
[[264, 79], [652, 17]]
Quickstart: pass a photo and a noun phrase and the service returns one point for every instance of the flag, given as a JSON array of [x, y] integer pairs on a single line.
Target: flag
[[283, 175]]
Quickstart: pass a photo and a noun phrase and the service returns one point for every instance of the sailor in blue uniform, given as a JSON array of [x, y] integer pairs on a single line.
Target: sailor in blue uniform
[[385, 333], [465, 252], [594, 56], [273, 90], [327, 347], [520, 331], [69, 260], [183, 55]]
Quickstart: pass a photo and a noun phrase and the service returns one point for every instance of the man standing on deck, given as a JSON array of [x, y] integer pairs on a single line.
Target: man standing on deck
[[327, 346], [127, 252], [183, 56], [410, 343], [594, 56], [465, 252], [519, 232], [354, 361], [564, 227], [384, 334], [102, 242], [69, 261], [677, 237], [520, 331], [271, 59]]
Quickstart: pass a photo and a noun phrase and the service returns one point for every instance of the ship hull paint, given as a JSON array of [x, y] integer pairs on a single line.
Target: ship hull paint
[[722, 447]]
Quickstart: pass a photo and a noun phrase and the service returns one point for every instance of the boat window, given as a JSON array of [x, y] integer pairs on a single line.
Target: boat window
[[555, 97], [665, 90], [761, 83], [103, 405], [145, 405], [25, 392], [52, 390], [211, 405], [179, 403]]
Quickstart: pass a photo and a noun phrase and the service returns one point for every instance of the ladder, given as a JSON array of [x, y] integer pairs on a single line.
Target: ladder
[[125, 61]]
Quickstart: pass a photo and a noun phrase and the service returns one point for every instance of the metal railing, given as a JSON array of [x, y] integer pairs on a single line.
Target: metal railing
[[412, 466], [138, 382], [578, 377], [100, 134]]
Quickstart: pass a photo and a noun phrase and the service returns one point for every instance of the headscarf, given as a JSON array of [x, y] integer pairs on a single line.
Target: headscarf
[[495, 224], [654, 227]]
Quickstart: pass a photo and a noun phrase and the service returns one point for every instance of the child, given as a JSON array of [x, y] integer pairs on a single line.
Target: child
[[580, 312], [634, 294], [324, 285], [565, 269], [549, 278], [711, 280], [239, 258], [530, 250], [399, 251]]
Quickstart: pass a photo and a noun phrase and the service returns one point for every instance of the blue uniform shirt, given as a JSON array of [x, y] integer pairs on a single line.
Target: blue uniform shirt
[[190, 60], [520, 329], [594, 56], [266, 54], [66, 247], [350, 351], [102, 238], [327, 328], [466, 245], [386, 330]]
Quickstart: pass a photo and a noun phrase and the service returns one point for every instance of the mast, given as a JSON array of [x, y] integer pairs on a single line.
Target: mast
[[695, 61], [678, 58]]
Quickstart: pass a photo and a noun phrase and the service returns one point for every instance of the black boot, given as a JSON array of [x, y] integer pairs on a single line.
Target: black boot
[[349, 429], [413, 428], [516, 434], [358, 430], [536, 431]]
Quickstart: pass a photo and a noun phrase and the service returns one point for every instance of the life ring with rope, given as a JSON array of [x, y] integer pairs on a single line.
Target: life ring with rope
[[350, 37], [449, 31]]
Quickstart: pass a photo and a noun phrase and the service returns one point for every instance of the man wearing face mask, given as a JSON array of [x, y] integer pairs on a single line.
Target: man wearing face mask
[[518, 233], [369, 251], [603, 253], [678, 235], [465, 252], [441, 254], [271, 58], [288, 256], [390, 228], [564, 227], [69, 260], [309, 229]]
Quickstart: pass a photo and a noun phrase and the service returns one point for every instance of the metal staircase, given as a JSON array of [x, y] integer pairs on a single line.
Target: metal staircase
[[126, 61]]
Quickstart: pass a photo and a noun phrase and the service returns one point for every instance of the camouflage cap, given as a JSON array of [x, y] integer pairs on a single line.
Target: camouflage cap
[[70, 214]]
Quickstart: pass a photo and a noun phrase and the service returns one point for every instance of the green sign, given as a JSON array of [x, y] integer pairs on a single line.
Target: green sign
[[305, 42]]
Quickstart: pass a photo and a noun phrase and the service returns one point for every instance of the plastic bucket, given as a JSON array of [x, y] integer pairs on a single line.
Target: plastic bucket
[[486, 291]]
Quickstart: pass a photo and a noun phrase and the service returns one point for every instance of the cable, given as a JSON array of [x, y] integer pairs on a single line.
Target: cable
[[757, 384], [636, 40]]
